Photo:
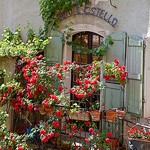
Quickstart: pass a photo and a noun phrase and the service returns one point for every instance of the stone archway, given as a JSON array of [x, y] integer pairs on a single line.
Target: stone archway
[[67, 50]]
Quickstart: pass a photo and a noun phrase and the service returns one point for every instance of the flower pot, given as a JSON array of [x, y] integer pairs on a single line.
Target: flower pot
[[95, 115], [139, 144], [114, 143], [111, 115], [42, 111], [48, 109], [120, 113], [78, 115]]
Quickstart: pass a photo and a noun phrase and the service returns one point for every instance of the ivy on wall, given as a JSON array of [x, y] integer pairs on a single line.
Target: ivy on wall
[[49, 8]]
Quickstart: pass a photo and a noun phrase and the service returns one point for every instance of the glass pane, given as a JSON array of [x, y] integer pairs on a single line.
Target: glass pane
[[95, 40], [85, 39], [101, 40], [77, 58], [94, 58], [84, 58]]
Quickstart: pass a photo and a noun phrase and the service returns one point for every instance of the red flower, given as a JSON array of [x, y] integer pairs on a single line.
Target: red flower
[[94, 90], [116, 61], [70, 135], [64, 127], [88, 94], [87, 123], [43, 132], [107, 140], [86, 86], [110, 134], [13, 140], [45, 139], [50, 134], [56, 134], [76, 147], [83, 148], [60, 88], [91, 129], [86, 140], [58, 113], [20, 148], [80, 130], [30, 106]]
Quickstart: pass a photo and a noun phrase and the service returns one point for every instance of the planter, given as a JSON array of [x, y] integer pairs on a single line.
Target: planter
[[78, 115], [114, 143], [95, 115], [139, 144], [111, 115], [120, 113], [48, 109], [42, 111]]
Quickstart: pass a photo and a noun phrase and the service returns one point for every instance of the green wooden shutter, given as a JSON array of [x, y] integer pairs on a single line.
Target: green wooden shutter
[[113, 93], [117, 50], [53, 51], [135, 75], [113, 96]]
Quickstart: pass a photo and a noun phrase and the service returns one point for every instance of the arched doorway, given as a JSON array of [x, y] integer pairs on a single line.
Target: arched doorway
[[85, 41]]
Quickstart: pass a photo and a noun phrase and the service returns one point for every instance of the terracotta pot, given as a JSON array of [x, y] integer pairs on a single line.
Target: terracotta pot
[[120, 113], [42, 111], [78, 115], [95, 115], [48, 109], [114, 143], [110, 115]]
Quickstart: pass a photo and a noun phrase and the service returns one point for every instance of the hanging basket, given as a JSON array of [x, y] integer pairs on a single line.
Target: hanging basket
[[120, 113], [78, 115], [95, 115], [111, 115]]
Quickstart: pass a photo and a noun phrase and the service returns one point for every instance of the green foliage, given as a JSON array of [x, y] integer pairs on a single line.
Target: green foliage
[[13, 45], [49, 9]]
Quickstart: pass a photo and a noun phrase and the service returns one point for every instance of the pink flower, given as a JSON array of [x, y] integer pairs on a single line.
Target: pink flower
[[86, 140], [107, 140], [91, 129], [13, 140], [11, 134]]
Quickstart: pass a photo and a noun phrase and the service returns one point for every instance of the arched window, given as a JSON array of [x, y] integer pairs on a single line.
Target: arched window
[[87, 40]]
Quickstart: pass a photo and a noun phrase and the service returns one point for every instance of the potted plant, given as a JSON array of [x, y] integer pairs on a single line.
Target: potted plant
[[111, 115], [120, 113], [139, 138], [94, 111], [76, 113]]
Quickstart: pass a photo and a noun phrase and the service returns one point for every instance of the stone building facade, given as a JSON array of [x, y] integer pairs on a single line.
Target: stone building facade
[[128, 21]]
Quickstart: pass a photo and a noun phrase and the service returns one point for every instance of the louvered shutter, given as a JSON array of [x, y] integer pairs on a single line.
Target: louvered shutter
[[113, 93], [53, 51], [135, 75]]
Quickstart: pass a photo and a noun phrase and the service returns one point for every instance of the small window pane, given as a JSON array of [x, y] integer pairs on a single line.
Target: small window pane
[[95, 40]]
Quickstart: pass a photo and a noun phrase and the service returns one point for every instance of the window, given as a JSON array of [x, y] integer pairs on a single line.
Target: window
[[88, 40]]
